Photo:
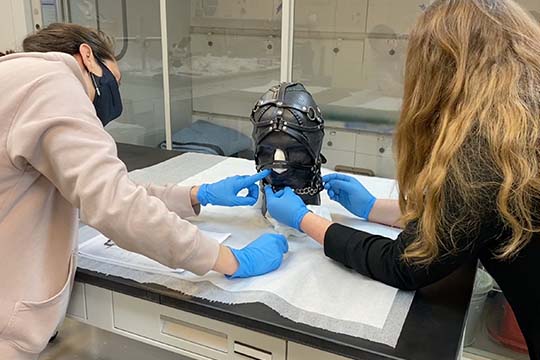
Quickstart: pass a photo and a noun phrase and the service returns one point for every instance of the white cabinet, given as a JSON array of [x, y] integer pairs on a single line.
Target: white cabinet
[[314, 60], [169, 327], [351, 15], [349, 55], [300, 352], [191, 333], [337, 157], [381, 166], [77, 304], [193, 336], [360, 150], [374, 144], [238, 10], [331, 16], [384, 66], [339, 140], [393, 16], [374, 152], [338, 148]]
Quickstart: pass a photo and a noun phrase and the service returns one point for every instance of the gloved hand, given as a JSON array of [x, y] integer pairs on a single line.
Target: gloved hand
[[225, 192], [285, 206], [261, 256], [350, 193]]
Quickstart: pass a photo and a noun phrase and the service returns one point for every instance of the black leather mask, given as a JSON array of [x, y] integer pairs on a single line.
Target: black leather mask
[[288, 131]]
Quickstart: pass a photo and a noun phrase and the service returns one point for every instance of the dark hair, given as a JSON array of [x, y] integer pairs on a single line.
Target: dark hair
[[67, 38]]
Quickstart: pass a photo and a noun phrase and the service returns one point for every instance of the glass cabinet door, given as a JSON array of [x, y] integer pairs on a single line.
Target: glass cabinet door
[[135, 27], [492, 330], [351, 56], [223, 54]]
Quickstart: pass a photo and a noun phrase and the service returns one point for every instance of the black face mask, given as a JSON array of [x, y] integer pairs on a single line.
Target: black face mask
[[288, 131], [107, 102]]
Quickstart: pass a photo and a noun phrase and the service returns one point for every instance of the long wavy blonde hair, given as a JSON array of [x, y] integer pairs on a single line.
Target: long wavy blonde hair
[[471, 107]]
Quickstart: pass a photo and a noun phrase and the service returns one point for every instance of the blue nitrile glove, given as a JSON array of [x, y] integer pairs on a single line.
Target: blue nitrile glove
[[261, 256], [285, 206], [225, 192], [350, 193]]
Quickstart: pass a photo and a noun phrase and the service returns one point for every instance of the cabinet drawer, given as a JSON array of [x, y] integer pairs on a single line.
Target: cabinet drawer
[[301, 352], [338, 157], [339, 140], [366, 144], [373, 144], [350, 57], [381, 166], [384, 69], [193, 334], [330, 16], [77, 303], [394, 17]]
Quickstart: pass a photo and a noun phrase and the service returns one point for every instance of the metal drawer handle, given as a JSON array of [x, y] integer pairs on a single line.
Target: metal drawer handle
[[355, 170], [195, 334], [251, 352]]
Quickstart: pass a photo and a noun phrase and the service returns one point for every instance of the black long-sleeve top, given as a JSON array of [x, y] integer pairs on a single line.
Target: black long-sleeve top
[[380, 258]]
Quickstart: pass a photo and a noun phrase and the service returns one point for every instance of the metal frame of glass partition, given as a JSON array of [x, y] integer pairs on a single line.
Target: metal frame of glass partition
[[287, 39], [165, 63], [287, 34]]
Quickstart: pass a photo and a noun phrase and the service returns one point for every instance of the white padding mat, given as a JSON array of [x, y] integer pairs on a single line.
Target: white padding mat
[[308, 288]]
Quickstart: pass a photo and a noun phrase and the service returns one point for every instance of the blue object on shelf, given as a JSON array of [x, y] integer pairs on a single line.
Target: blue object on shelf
[[205, 137]]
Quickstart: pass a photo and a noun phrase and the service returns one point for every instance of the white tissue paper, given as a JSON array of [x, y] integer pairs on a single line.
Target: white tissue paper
[[101, 249], [308, 287]]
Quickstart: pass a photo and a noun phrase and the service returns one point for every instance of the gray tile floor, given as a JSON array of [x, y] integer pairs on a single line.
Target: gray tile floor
[[77, 341]]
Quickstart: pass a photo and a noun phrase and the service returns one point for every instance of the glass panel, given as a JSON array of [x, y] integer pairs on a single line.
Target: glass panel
[[351, 56], [49, 12], [135, 26], [223, 54], [533, 6], [492, 330]]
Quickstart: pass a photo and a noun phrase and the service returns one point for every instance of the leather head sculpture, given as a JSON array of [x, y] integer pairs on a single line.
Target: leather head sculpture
[[288, 131]]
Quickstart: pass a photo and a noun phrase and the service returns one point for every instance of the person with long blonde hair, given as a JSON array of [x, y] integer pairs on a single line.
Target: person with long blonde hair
[[468, 162]]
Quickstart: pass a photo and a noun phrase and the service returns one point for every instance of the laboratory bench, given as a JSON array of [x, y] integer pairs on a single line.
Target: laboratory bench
[[200, 329]]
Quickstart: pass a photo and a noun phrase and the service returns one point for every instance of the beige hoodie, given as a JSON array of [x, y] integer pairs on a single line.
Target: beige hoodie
[[55, 158]]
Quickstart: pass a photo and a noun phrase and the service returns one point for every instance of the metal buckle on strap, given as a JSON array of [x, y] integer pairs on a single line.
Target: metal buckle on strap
[[311, 114]]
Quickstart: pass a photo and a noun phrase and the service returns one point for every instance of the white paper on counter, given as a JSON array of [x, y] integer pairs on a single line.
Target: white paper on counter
[[309, 287], [100, 249], [307, 279]]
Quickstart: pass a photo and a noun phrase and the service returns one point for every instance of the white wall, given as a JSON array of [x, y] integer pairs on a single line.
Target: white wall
[[15, 23]]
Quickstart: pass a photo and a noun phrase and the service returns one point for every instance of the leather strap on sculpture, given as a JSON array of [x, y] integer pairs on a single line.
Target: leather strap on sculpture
[[288, 130]]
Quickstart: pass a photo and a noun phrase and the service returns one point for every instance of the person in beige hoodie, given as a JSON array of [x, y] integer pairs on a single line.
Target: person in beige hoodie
[[58, 164]]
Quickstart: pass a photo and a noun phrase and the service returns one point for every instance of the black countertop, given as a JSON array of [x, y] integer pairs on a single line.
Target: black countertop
[[433, 328]]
